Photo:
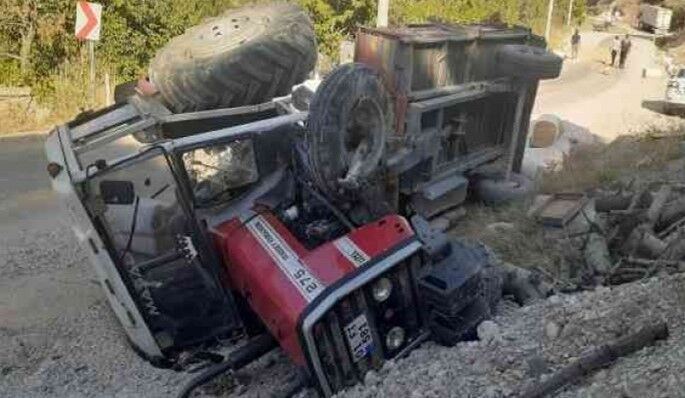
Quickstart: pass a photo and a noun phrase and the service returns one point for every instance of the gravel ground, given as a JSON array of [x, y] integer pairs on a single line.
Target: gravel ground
[[22, 259], [59, 338], [84, 354], [522, 344]]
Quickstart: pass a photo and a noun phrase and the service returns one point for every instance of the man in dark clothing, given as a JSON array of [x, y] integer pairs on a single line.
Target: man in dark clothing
[[625, 50], [575, 44], [615, 49]]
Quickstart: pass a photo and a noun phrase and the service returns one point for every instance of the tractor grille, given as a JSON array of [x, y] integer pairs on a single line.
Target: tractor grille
[[399, 310]]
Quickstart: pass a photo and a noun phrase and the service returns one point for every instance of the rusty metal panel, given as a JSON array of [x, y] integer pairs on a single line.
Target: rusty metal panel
[[419, 62], [420, 57]]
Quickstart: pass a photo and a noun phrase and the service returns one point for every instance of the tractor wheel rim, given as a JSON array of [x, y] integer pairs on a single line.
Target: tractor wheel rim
[[363, 138]]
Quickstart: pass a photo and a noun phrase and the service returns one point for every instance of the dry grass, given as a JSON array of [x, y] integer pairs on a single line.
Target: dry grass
[[514, 236], [68, 95], [518, 239], [601, 166], [15, 116]]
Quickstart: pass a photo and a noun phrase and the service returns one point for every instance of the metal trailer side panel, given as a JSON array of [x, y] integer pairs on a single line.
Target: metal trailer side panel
[[656, 17]]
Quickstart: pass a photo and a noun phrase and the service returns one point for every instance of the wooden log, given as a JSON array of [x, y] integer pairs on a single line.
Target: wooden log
[[672, 212], [598, 358], [641, 200], [673, 228], [523, 284], [544, 131], [674, 251], [614, 202], [624, 277], [643, 242], [596, 253], [649, 263], [657, 206], [651, 245]]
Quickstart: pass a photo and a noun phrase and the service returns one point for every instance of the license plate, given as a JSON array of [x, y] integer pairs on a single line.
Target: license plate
[[359, 337]]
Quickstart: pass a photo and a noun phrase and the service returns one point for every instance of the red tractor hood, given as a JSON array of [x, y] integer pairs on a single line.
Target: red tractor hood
[[279, 277]]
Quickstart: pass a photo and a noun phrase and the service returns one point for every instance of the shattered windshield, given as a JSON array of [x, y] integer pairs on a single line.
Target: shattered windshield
[[220, 172]]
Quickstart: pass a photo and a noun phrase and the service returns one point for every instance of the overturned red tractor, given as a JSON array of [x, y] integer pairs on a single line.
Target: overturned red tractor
[[302, 221]]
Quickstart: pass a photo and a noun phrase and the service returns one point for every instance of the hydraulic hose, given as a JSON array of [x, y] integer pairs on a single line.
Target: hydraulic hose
[[239, 358]]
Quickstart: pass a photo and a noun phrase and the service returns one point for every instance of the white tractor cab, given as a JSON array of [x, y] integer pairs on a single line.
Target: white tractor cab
[[138, 207]]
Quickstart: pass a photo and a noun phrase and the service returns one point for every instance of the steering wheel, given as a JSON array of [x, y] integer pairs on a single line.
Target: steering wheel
[[184, 250]]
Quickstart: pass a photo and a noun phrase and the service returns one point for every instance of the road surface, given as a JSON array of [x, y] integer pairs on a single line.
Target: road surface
[[605, 100]]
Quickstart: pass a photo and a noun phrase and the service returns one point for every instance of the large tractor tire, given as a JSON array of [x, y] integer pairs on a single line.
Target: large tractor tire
[[349, 120], [528, 62], [244, 57]]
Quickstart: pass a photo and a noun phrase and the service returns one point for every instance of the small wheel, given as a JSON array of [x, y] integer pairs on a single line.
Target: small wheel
[[124, 90], [498, 191], [145, 136], [349, 119], [528, 62]]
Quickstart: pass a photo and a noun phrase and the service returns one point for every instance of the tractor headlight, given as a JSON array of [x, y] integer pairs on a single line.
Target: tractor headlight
[[395, 338], [381, 290]]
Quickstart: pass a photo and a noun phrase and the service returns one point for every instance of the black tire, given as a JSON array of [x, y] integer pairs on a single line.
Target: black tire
[[351, 110], [498, 191], [244, 57], [157, 362], [146, 136], [528, 62], [124, 90]]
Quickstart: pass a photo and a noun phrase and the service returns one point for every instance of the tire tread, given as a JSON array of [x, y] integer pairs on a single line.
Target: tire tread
[[253, 72]]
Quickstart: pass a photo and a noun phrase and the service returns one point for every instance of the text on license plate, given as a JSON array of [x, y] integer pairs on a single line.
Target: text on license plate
[[359, 337]]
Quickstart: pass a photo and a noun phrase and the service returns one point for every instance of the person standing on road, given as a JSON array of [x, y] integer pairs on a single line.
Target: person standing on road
[[625, 50], [615, 49], [575, 44]]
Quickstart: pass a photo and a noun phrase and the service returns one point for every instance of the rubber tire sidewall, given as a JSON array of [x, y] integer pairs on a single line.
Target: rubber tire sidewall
[[528, 62], [123, 91], [328, 111], [495, 191], [238, 73]]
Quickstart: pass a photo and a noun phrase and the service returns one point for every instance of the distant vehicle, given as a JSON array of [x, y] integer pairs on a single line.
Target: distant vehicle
[[675, 90], [654, 18]]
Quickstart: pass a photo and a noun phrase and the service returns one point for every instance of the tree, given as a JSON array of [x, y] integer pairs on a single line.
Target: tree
[[33, 34], [462, 11], [19, 20], [335, 20]]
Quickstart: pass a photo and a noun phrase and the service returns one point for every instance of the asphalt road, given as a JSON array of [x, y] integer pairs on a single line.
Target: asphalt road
[[43, 285], [605, 100], [26, 189]]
